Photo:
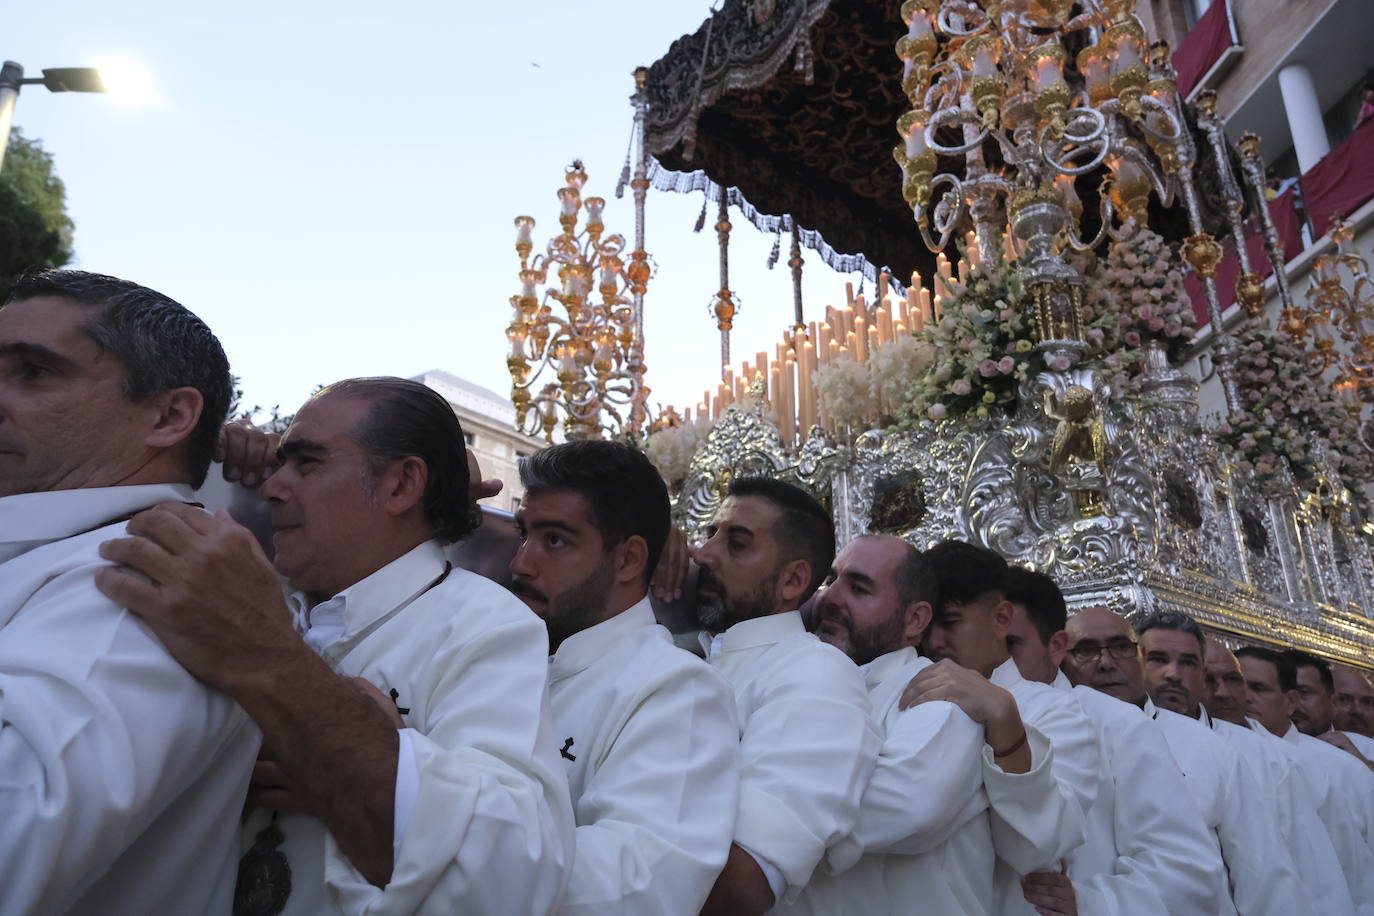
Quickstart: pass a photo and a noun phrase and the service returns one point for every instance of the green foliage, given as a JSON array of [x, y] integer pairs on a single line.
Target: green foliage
[[35, 230]]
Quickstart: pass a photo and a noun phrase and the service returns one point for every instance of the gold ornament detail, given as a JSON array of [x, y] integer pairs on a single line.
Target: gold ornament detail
[[1250, 293], [1203, 252]]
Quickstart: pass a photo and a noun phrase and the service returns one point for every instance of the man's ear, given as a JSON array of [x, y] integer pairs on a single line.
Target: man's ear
[[793, 581], [1058, 647], [401, 487], [177, 413], [1001, 616], [1290, 702], [632, 560], [917, 617]]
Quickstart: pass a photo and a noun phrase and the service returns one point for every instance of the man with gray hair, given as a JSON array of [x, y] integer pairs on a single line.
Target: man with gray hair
[[1260, 870], [121, 776], [409, 761]]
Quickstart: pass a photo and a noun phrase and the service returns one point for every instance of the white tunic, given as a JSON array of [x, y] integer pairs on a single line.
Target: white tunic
[[1145, 852], [652, 757], [1261, 875], [121, 776], [1320, 879], [490, 829], [806, 746], [1038, 831], [1362, 744], [922, 832]]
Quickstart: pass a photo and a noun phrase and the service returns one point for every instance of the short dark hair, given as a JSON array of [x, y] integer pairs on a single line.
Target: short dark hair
[[406, 419], [1300, 659], [964, 573], [1288, 679], [626, 495], [160, 343], [1042, 599], [804, 530], [1171, 620], [912, 577]]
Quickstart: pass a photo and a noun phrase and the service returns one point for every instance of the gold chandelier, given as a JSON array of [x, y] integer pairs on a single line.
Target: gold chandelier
[[1339, 320], [587, 329]]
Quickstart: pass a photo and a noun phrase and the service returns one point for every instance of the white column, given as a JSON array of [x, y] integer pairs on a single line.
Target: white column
[[1304, 115]]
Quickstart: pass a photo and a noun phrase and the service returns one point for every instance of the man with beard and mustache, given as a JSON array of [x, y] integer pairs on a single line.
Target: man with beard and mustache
[[968, 635], [1262, 877], [647, 730], [1271, 684], [1314, 705], [1145, 852], [409, 759], [1222, 707], [806, 746], [1355, 704], [945, 785]]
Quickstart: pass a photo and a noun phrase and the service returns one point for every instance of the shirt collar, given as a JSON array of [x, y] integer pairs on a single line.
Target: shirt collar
[[761, 631], [1204, 717], [580, 650], [1292, 736], [369, 599], [1061, 682], [884, 666], [1007, 675], [29, 520]]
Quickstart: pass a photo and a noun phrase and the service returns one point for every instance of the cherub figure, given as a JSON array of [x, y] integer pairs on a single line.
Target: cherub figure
[[1080, 436]]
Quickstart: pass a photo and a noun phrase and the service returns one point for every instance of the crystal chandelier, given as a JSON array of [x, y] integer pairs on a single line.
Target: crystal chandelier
[[994, 87], [587, 329]]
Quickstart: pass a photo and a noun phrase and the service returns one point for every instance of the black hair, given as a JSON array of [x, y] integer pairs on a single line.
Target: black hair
[[406, 419], [160, 343], [964, 573], [1300, 659], [1171, 620], [804, 530], [1288, 679], [626, 495], [1042, 599]]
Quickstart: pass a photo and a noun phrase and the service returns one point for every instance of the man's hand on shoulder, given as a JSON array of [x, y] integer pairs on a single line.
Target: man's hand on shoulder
[[249, 454], [1339, 739], [982, 701], [1050, 892], [204, 586]]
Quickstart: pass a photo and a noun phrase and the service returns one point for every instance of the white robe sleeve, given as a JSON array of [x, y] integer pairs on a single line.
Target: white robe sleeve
[[1263, 878], [100, 730], [658, 812], [925, 786], [805, 758], [1319, 867], [491, 828], [1164, 850], [1036, 819]]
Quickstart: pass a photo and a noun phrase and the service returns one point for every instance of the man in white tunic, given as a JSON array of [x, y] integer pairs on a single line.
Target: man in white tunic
[[1314, 710], [944, 784], [1262, 877], [121, 776], [1355, 705], [1222, 709], [1144, 853], [806, 745], [410, 764], [647, 730], [1271, 686]]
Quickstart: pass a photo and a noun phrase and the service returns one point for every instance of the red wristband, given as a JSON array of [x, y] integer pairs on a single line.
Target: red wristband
[[1020, 743]]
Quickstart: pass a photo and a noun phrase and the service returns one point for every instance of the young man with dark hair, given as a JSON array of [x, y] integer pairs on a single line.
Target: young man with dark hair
[[973, 668], [1339, 792], [647, 730], [806, 746], [946, 793], [1315, 706], [121, 776], [1355, 705], [410, 762]]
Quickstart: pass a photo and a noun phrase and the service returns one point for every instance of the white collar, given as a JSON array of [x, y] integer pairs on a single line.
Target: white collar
[[1007, 675], [369, 599], [1061, 681], [29, 520], [761, 631], [882, 667], [585, 647]]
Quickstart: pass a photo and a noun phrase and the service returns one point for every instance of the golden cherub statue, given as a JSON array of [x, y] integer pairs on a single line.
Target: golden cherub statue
[[1080, 436]]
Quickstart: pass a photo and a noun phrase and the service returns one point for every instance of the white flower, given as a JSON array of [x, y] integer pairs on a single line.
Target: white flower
[[845, 390], [894, 366]]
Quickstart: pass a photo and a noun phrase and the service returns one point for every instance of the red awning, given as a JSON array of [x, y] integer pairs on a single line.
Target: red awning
[[1342, 181], [1205, 45], [1285, 215]]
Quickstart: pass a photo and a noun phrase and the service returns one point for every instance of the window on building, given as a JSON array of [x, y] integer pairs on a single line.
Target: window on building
[[1193, 10], [469, 438]]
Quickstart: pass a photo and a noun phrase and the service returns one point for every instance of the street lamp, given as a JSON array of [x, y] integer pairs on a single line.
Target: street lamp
[[61, 79]]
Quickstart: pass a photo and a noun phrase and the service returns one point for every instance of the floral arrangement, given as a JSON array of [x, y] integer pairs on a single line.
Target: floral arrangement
[[670, 447], [893, 366], [845, 390], [1135, 295], [1288, 415], [981, 349]]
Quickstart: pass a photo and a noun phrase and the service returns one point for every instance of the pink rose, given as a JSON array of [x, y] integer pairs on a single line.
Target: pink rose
[[987, 368], [1006, 365], [1137, 296], [1132, 339], [936, 411], [960, 387], [1156, 323]]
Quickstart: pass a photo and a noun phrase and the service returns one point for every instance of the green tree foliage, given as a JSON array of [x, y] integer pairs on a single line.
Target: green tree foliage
[[35, 230]]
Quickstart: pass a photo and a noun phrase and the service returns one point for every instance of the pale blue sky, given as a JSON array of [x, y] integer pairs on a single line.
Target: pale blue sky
[[331, 185]]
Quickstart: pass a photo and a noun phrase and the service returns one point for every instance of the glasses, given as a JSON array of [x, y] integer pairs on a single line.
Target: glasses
[[1087, 653]]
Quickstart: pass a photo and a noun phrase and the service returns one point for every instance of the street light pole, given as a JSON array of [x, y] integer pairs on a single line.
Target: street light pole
[[61, 79]]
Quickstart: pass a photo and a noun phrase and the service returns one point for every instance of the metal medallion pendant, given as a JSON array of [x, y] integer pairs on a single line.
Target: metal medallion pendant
[[264, 880]]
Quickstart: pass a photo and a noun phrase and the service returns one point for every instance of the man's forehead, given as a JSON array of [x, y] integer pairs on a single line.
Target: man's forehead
[[565, 506], [49, 321], [1097, 623], [876, 558], [1162, 640], [325, 420], [1259, 669], [752, 512]]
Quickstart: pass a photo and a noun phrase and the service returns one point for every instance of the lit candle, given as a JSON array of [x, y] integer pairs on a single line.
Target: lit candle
[[761, 363], [524, 231], [594, 207], [1092, 63], [985, 54], [833, 351], [874, 342]]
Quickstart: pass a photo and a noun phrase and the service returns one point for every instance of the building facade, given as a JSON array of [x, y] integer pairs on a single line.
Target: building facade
[[488, 421]]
